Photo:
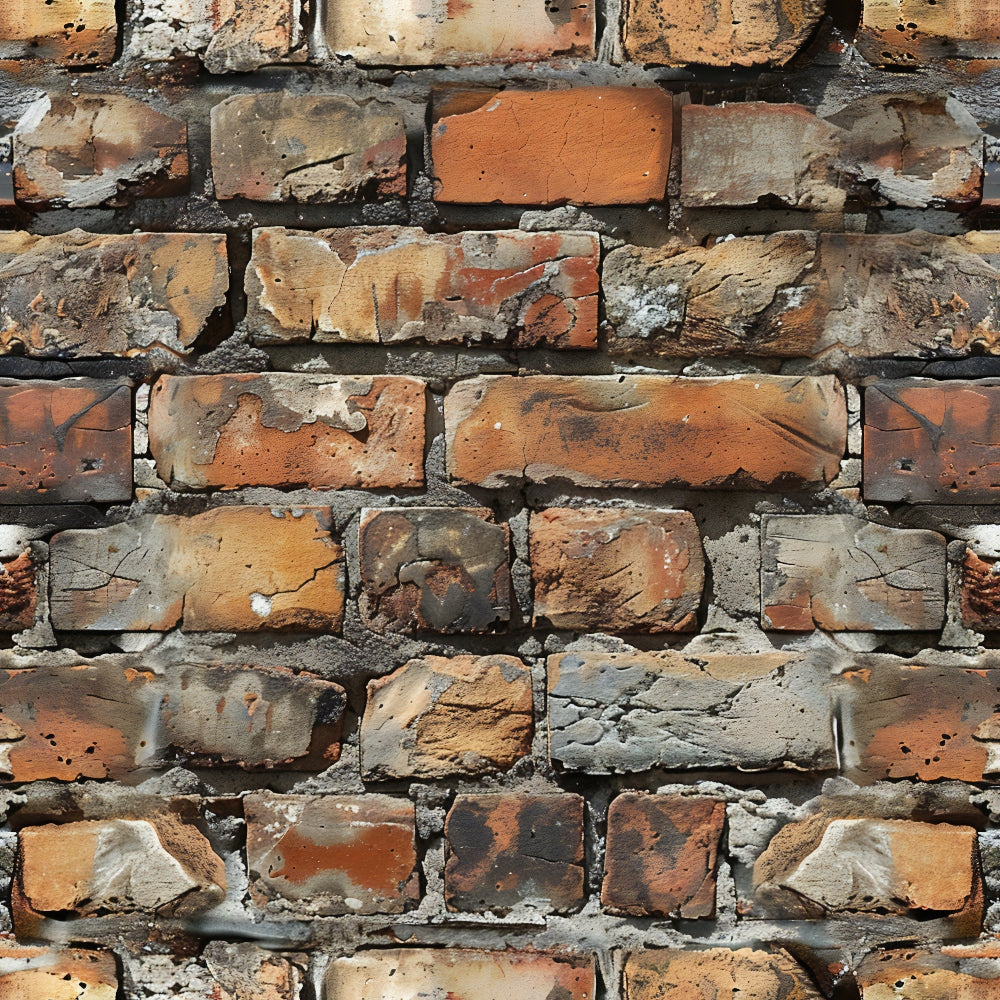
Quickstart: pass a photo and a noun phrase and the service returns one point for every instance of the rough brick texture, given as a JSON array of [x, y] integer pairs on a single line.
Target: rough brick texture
[[71, 33]]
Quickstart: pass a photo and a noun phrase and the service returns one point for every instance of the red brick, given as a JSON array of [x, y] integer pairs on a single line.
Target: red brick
[[511, 146], [19, 582], [393, 283], [932, 442], [511, 849], [30, 973], [322, 432], [66, 441], [441, 716], [646, 430], [73, 33], [232, 569], [661, 855], [402, 33], [920, 974], [615, 570], [460, 974], [283, 147], [434, 569], [980, 592], [332, 854]]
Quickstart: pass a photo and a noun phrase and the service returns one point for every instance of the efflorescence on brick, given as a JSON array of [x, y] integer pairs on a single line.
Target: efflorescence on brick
[[499, 500]]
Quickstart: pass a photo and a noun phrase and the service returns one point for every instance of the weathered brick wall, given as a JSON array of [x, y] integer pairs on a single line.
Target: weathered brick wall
[[499, 500]]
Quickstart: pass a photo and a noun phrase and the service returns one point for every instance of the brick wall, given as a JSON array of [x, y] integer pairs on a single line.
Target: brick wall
[[499, 500]]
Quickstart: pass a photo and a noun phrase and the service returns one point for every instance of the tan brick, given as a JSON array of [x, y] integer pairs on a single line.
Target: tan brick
[[661, 855], [82, 295], [508, 146], [93, 867], [910, 720], [66, 441], [74, 33], [30, 973], [511, 849], [913, 33], [434, 569], [630, 712], [98, 150], [243, 971], [285, 147], [459, 974], [819, 867], [108, 718], [616, 570], [393, 283], [920, 974], [440, 716], [840, 573], [804, 294], [318, 431], [408, 33], [646, 430], [232, 569], [670, 974], [332, 854]]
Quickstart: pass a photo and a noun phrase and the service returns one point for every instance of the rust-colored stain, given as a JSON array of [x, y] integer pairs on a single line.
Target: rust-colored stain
[[17, 592]]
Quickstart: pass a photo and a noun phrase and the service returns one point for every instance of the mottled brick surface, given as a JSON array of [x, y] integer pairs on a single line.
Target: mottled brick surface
[[71, 33], [29, 973]]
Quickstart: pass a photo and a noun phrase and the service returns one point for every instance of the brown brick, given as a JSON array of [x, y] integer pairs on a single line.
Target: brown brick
[[75, 33], [318, 431], [909, 720], [661, 855], [243, 971], [19, 591], [30, 973], [932, 442], [393, 283], [332, 854], [646, 430], [631, 712], [108, 718], [912, 33], [94, 867], [460, 974], [840, 573], [980, 592], [509, 146], [232, 569], [820, 867], [616, 570], [394, 33], [511, 849], [440, 716], [284, 147], [81, 295], [918, 974], [670, 974], [434, 569], [230, 36], [66, 441], [804, 294], [901, 149], [98, 150]]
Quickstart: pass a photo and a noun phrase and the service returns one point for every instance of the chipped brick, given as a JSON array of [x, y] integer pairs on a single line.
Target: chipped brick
[[284, 147], [403, 33], [514, 849], [932, 442], [18, 592], [83, 295], [840, 573], [434, 569], [65, 442], [243, 971], [440, 716], [72, 33], [98, 150], [508, 146], [232, 569], [630, 712], [646, 430], [615, 570], [980, 592], [392, 284], [30, 973], [919, 974], [670, 974], [332, 854], [318, 431], [661, 855], [460, 974]]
